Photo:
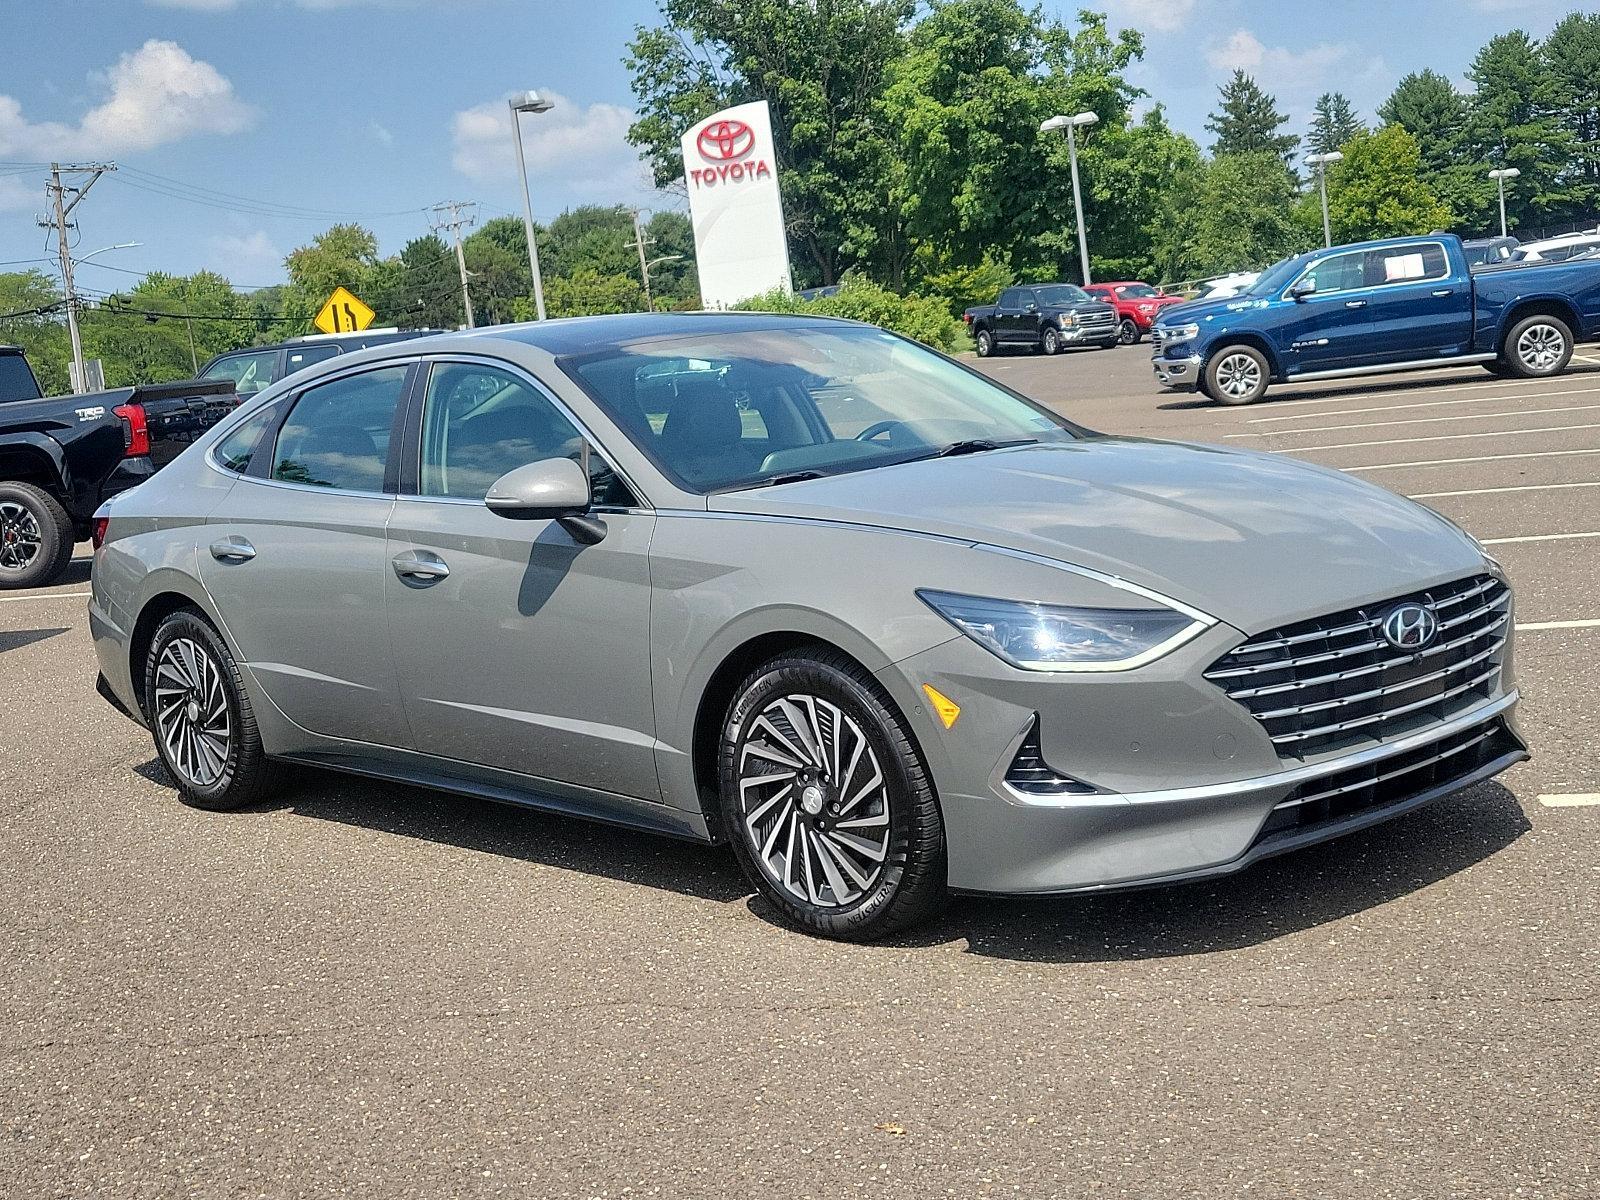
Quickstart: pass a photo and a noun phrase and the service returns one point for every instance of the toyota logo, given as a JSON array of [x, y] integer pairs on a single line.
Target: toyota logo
[[1410, 627], [723, 141]]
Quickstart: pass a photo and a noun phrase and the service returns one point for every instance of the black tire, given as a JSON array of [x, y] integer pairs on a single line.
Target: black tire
[[985, 341], [1050, 341], [1537, 347], [1237, 374], [246, 774], [1128, 332], [36, 537], [907, 885]]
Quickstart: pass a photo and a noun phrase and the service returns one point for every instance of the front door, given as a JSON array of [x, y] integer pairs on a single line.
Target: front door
[[295, 557], [1326, 330], [517, 646]]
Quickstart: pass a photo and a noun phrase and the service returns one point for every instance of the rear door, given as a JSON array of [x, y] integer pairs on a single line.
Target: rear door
[[1008, 315], [295, 557], [1416, 308]]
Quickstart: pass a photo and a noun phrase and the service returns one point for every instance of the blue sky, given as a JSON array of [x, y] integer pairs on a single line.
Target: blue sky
[[375, 109]]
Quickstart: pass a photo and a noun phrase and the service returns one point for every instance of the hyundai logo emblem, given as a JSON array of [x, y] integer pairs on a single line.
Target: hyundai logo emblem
[[1410, 627]]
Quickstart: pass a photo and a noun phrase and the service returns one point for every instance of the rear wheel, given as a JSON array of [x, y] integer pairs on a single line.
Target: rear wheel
[[1128, 332], [826, 801], [36, 536], [1237, 375], [1050, 341], [1538, 346], [204, 728]]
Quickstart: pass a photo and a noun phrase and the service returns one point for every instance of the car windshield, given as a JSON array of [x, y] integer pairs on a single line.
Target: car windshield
[[719, 411], [1061, 293], [1274, 277], [1139, 291]]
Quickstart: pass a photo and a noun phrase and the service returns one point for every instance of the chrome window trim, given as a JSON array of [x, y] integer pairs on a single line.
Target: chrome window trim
[[520, 372], [1372, 287]]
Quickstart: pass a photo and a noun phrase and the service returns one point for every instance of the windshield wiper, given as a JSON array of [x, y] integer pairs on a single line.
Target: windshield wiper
[[785, 477], [978, 446]]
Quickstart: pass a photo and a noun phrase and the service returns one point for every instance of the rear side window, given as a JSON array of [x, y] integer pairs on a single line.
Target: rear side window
[[248, 372], [337, 435], [1407, 264], [1011, 298], [236, 450], [298, 357]]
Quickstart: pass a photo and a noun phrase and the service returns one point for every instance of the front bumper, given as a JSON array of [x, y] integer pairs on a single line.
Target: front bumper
[[1178, 372], [1188, 786]]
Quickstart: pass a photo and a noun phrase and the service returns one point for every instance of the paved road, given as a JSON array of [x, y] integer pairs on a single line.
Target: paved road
[[371, 990]]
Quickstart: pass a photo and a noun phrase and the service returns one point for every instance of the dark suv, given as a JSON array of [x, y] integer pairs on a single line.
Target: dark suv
[[251, 370]]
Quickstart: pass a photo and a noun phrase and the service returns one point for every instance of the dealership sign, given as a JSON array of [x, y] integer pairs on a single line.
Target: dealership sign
[[730, 171]]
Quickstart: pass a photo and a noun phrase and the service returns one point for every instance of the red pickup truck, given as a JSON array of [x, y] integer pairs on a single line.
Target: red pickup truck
[[1137, 305]]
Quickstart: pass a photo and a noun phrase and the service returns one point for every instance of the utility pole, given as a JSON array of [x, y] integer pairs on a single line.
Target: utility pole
[[57, 191], [462, 214], [641, 242]]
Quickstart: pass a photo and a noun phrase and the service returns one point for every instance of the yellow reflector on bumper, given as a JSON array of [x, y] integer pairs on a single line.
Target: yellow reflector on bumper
[[947, 708]]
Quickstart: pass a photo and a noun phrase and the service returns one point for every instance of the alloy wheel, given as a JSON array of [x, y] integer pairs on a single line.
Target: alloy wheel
[[1238, 375], [1540, 347], [813, 801], [191, 712], [1127, 332], [21, 539]]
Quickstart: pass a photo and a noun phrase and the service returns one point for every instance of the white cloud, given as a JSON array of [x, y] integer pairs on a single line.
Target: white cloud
[[248, 258], [229, 5], [1277, 66], [585, 146], [382, 134], [17, 196], [156, 94], [1151, 16]]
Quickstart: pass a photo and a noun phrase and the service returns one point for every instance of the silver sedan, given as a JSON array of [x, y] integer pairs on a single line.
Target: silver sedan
[[882, 625]]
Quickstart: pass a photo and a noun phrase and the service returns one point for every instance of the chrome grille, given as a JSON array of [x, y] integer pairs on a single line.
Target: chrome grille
[[1336, 681], [1097, 319], [1157, 336]]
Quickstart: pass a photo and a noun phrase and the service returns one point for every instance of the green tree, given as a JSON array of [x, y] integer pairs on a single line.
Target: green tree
[[585, 292], [1573, 53], [1428, 106], [1247, 121], [1243, 217], [31, 316], [342, 256], [1334, 122], [1514, 121], [1378, 190]]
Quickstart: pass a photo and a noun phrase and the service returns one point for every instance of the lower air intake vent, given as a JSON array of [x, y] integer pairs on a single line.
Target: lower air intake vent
[[1031, 774]]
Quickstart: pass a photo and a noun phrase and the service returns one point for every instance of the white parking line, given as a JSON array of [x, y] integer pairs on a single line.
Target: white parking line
[[1537, 537], [1535, 626], [1526, 412], [1495, 491], [1571, 800], [1442, 437], [47, 596], [1421, 391], [1350, 412], [1445, 462]]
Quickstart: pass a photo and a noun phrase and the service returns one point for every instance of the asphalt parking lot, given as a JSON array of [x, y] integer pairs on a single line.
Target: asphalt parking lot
[[370, 990]]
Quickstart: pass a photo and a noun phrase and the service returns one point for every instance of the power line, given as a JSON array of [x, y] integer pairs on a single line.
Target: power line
[[463, 213]]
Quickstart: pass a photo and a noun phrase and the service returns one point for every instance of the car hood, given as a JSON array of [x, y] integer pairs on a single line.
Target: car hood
[[1199, 310], [1256, 540]]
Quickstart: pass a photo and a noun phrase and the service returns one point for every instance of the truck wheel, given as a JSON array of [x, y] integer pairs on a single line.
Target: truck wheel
[[1538, 346], [1050, 341], [1128, 333], [1237, 375], [985, 343], [35, 536]]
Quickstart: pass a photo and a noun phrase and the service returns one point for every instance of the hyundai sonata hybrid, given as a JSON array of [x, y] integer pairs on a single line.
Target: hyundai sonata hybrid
[[884, 626]]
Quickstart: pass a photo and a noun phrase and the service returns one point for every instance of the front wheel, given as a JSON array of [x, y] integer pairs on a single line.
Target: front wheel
[[1128, 332], [985, 341], [204, 728], [1237, 375], [826, 800], [1050, 341], [1538, 346]]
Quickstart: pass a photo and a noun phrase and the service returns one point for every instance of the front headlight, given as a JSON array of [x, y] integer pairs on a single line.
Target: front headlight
[[1180, 333], [1050, 637], [1067, 319]]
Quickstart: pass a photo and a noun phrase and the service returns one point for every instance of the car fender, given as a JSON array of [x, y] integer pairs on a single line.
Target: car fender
[[41, 446]]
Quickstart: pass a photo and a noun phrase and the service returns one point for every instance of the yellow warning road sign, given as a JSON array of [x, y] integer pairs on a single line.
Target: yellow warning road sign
[[343, 313]]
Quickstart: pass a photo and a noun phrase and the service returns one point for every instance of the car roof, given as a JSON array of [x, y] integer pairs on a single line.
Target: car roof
[[574, 335]]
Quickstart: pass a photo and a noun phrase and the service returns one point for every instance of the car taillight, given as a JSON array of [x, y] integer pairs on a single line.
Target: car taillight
[[135, 430], [97, 531], [967, 317]]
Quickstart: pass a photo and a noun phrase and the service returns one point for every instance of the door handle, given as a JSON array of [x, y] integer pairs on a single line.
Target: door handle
[[1445, 292], [1355, 303], [232, 549], [420, 566]]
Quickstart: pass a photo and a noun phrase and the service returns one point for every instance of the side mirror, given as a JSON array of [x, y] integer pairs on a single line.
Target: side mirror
[[1306, 287], [553, 489]]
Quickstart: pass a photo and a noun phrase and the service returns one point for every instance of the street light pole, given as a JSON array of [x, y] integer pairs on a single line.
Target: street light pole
[[528, 102], [1082, 120], [1320, 162], [1500, 176]]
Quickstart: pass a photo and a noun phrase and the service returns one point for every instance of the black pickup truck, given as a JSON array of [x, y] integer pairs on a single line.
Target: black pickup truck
[[61, 457], [1047, 317]]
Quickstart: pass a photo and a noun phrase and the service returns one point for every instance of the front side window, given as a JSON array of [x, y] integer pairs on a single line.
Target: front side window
[[726, 410], [249, 373], [338, 434], [1341, 273], [478, 422], [235, 450]]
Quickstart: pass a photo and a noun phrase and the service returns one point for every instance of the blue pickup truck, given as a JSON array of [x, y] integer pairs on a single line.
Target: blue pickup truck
[[1399, 305]]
